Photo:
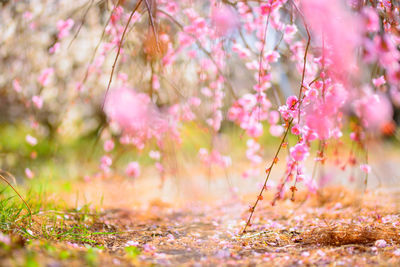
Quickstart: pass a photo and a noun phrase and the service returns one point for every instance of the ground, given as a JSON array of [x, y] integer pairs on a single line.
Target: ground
[[336, 226]]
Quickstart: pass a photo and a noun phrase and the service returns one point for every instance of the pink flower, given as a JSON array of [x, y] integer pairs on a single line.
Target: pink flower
[[379, 81], [44, 78], [248, 101], [365, 168], [371, 19], [31, 140], [255, 130], [292, 102], [29, 174], [319, 123], [155, 155], [133, 169], [27, 15], [64, 27], [295, 130], [374, 110], [224, 19], [108, 145], [155, 82], [299, 152], [16, 85], [341, 32], [397, 252], [55, 48], [171, 7], [272, 56], [276, 130], [37, 101], [135, 113], [195, 101], [159, 167], [380, 243], [106, 162], [273, 117]]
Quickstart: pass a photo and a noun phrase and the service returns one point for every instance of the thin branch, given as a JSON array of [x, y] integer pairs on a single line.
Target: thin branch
[[119, 51], [269, 170], [98, 44], [305, 54], [205, 51], [83, 21], [152, 24]]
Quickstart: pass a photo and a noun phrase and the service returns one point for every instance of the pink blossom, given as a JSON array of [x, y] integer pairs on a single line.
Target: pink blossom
[[134, 113], [380, 243], [292, 102], [155, 155], [272, 56], [276, 130], [341, 33], [295, 129], [155, 82], [16, 85], [248, 101], [108, 145], [255, 130], [319, 123], [64, 27], [37, 101], [106, 162], [371, 19], [379, 81], [397, 252], [195, 101], [375, 110], [44, 78], [55, 48], [172, 7], [241, 51], [133, 169], [273, 117], [27, 15], [365, 168], [224, 19], [31, 140], [299, 152], [29, 174], [159, 167]]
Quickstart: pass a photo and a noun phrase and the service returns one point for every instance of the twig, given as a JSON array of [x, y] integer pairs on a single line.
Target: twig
[[305, 56], [152, 24], [205, 51], [80, 26], [98, 44], [252, 209], [119, 51]]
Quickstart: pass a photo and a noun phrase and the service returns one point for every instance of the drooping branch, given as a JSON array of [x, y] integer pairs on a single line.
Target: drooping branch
[[119, 51]]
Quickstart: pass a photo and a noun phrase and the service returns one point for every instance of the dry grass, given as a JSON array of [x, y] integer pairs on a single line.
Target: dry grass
[[345, 234]]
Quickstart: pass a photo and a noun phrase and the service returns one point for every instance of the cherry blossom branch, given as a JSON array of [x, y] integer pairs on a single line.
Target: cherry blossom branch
[[205, 51], [98, 44], [300, 98], [268, 171], [119, 51], [305, 55], [152, 24], [80, 25]]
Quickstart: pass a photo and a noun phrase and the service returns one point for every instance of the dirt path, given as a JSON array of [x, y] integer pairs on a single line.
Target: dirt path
[[333, 228]]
